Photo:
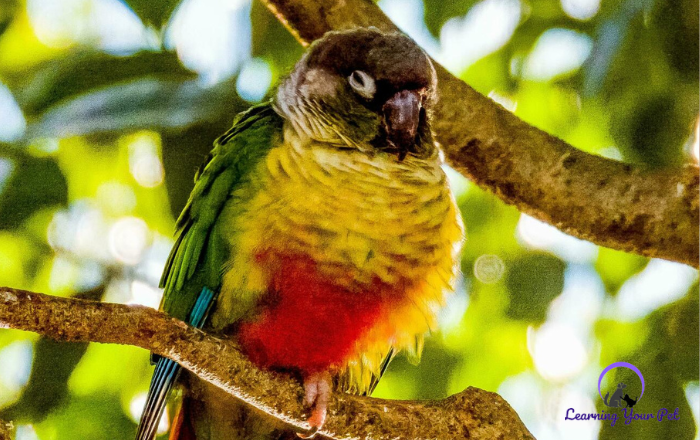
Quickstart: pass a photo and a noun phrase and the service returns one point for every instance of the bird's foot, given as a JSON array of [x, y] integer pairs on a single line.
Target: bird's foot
[[317, 393]]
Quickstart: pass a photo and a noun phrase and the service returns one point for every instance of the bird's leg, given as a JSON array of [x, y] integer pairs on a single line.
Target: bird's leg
[[317, 392]]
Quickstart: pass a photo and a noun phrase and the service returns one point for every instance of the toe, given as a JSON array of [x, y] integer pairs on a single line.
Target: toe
[[317, 392]]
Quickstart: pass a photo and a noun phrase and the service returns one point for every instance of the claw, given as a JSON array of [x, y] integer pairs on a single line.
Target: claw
[[317, 393]]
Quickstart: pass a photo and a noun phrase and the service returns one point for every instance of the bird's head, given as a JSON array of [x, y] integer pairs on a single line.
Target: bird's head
[[362, 89]]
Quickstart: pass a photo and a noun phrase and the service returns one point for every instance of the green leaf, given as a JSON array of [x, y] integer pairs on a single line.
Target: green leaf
[[144, 103], [66, 78], [8, 9], [652, 103], [490, 73], [153, 13], [437, 12], [681, 330], [47, 387], [678, 22], [429, 379], [656, 131], [34, 183], [533, 280], [94, 417], [616, 267], [614, 29]]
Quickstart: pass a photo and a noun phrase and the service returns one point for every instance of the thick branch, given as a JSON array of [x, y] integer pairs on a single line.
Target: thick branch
[[5, 430], [473, 413], [652, 213]]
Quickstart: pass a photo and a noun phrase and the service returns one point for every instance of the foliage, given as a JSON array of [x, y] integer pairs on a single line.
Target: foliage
[[98, 148]]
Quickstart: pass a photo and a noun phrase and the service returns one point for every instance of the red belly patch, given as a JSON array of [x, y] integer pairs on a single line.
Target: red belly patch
[[310, 323]]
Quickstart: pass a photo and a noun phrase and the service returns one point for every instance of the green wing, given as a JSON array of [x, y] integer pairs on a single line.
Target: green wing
[[192, 274], [201, 249]]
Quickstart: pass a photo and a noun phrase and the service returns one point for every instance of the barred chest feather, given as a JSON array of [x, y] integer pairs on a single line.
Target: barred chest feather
[[354, 253]]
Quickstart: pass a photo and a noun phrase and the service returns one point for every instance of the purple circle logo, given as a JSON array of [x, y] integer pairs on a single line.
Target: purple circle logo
[[621, 385]]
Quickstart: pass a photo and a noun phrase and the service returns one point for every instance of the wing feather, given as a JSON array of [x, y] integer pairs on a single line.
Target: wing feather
[[192, 274]]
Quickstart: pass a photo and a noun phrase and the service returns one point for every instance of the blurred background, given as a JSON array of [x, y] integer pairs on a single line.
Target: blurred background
[[107, 107]]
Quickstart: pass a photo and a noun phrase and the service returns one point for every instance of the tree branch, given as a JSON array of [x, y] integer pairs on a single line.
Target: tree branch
[[473, 413], [625, 207], [5, 429]]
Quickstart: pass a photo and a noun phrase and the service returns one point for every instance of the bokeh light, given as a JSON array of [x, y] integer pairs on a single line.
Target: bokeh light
[[660, 283], [489, 268], [107, 24], [458, 183], [15, 363], [254, 80], [557, 351], [136, 408], [506, 102], [6, 167], [81, 230], [487, 27], [581, 300], [128, 238], [692, 392], [144, 294], [536, 234], [408, 15], [452, 313], [117, 199], [211, 37], [581, 9], [13, 123], [26, 432], [144, 163], [557, 52]]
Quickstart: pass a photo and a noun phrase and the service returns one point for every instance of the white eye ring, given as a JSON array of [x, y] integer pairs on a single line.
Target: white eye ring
[[362, 84]]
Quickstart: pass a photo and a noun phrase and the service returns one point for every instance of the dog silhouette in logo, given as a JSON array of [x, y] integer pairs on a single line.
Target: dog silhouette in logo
[[628, 400], [616, 399]]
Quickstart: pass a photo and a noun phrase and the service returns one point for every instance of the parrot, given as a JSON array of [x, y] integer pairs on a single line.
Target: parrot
[[321, 233]]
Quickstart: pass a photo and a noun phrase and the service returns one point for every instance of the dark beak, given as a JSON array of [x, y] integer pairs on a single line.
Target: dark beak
[[401, 118]]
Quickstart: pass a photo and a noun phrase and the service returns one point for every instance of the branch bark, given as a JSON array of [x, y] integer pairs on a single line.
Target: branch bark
[[473, 413], [5, 429], [622, 206]]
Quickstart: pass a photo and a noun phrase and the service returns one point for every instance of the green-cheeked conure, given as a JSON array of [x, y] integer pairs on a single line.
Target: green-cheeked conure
[[321, 232]]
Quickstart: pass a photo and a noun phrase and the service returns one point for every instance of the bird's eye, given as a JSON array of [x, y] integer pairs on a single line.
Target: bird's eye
[[362, 84]]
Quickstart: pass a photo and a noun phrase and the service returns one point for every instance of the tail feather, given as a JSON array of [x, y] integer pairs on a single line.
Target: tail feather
[[182, 428], [164, 378], [167, 372], [382, 369]]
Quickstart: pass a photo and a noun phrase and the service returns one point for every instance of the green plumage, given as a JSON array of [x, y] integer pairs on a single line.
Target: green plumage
[[192, 275], [201, 250]]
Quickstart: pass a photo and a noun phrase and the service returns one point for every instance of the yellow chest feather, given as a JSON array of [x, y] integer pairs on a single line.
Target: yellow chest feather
[[361, 219]]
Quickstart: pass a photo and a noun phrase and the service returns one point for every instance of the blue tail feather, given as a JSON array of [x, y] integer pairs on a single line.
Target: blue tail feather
[[201, 308], [167, 371], [164, 378]]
